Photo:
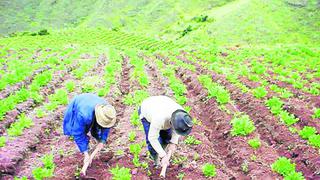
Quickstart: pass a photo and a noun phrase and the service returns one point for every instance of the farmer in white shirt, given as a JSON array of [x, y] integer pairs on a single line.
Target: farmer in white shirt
[[164, 121]]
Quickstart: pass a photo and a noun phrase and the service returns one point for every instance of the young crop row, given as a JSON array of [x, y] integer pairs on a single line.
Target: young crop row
[[274, 103], [241, 125]]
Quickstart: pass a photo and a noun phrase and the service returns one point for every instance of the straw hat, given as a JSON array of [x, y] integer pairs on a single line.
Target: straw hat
[[105, 115]]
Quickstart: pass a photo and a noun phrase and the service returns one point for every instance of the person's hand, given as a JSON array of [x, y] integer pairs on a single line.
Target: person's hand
[[165, 160], [172, 147], [86, 162]]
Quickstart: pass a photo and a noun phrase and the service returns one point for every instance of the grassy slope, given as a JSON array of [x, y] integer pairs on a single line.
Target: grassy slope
[[259, 22], [245, 22]]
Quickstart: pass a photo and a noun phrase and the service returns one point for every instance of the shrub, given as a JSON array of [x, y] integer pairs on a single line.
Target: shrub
[[43, 32], [283, 166], [254, 143], [120, 173], [307, 131], [242, 126], [209, 170]]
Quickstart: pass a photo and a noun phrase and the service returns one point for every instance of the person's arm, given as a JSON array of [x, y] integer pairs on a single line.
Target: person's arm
[[104, 136], [153, 138]]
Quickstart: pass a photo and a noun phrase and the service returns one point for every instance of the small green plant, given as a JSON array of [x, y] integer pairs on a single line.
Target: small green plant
[[17, 127], [209, 170], [254, 143], [70, 85], [191, 140], [253, 157], [135, 119], [275, 105], [245, 167], [242, 125], [120, 173], [314, 140], [179, 159], [40, 113], [119, 152], [135, 149], [132, 136], [316, 113], [180, 176], [47, 170], [307, 131], [283, 166], [2, 141], [21, 178], [287, 118], [260, 92], [294, 176]]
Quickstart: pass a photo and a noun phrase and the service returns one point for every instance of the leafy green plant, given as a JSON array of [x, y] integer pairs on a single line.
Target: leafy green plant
[[287, 118], [209, 170], [135, 149], [120, 173], [22, 178], [260, 92], [46, 171], [40, 113], [275, 105], [135, 119], [294, 176], [17, 127], [132, 136], [283, 166], [215, 90], [180, 176], [314, 140], [70, 85], [254, 143], [179, 159], [136, 98], [2, 141], [307, 131], [191, 140], [242, 125], [316, 113]]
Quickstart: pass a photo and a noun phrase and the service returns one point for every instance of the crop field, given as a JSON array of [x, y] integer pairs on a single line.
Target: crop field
[[255, 109]]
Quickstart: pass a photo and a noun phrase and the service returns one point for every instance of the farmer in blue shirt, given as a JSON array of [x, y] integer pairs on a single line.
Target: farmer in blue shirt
[[88, 112]]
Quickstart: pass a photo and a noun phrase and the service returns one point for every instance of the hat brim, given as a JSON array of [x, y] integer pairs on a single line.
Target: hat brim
[[183, 133], [103, 119]]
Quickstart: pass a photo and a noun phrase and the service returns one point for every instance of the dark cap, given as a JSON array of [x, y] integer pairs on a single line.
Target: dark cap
[[181, 122]]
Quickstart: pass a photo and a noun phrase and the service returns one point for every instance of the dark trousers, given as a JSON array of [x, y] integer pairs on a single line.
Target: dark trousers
[[164, 136]]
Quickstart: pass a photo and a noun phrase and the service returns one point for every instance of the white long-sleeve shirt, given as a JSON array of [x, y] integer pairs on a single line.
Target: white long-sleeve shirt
[[158, 111]]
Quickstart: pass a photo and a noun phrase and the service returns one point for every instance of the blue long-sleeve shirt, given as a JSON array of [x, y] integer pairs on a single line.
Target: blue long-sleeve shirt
[[79, 119]]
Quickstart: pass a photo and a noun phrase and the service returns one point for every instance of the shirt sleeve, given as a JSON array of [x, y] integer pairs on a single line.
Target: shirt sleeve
[[153, 138], [80, 135], [175, 138], [104, 135]]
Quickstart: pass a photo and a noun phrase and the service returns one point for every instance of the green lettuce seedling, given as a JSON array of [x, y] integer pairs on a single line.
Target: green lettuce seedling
[[242, 126], [254, 143], [191, 140], [2, 141], [307, 131], [120, 173], [283, 166], [209, 170]]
